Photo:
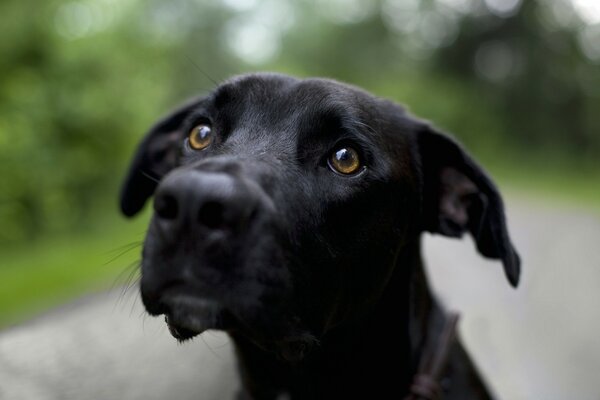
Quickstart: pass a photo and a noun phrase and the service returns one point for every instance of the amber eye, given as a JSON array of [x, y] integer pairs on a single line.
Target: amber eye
[[200, 137], [345, 160]]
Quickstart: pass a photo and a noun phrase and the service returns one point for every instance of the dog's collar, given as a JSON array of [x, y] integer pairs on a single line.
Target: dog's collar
[[426, 382]]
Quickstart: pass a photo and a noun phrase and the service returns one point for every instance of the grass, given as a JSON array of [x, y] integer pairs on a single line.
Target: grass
[[45, 274]]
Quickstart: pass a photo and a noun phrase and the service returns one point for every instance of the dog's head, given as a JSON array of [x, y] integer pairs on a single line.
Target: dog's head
[[280, 206]]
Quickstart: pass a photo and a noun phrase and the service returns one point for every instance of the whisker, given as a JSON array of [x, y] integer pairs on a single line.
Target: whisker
[[133, 283], [129, 269], [135, 300], [130, 281], [369, 128], [119, 248], [152, 178], [128, 248], [209, 347], [202, 71]]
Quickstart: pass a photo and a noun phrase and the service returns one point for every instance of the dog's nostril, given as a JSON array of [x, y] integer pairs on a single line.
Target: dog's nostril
[[166, 206], [211, 215]]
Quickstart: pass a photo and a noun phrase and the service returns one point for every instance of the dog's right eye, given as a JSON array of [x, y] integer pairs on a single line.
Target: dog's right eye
[[200, 137]]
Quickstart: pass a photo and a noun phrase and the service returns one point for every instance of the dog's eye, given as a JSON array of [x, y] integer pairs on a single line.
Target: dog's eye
[[200, 137], [345, 161]]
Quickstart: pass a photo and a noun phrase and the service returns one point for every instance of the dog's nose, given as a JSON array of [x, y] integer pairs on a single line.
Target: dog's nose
[[209, 200]]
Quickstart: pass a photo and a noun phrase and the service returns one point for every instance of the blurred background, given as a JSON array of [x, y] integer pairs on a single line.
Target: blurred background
[[517, 81]]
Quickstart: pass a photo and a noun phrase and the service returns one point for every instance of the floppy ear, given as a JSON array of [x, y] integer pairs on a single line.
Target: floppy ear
[[458, 196], [155, 156]]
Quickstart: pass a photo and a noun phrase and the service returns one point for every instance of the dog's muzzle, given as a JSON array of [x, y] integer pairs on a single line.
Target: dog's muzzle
[[198, 247]]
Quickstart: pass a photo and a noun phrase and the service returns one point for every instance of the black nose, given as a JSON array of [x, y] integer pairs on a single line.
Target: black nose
[[209, 200]]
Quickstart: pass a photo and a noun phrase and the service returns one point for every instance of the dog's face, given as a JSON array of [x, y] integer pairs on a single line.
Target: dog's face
[[280, 206]]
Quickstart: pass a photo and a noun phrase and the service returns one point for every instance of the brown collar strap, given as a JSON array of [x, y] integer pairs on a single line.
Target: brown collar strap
[[425, 384]]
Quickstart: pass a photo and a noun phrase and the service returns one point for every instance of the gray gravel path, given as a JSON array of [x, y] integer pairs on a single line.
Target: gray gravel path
[[538, 342]]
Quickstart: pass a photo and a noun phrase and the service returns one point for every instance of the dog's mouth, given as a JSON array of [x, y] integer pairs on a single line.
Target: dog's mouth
[[179, 332], [188, 316]]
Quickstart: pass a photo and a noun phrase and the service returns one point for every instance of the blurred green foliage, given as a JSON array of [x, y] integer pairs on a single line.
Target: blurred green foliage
[[517, 81], [58, 269]]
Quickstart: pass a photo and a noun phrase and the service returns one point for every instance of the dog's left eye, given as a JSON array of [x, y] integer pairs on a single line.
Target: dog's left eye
[[200, 137], [345, 161]]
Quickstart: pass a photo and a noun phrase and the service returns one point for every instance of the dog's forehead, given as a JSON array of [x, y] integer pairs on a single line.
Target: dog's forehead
[[269, 85], [274, 98]]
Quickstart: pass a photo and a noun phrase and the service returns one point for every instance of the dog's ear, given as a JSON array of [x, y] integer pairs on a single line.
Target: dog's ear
[[155, 156], [458, 196]]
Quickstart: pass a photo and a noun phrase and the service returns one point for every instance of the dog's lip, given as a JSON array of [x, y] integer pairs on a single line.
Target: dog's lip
[[187, 316], [178, 332]]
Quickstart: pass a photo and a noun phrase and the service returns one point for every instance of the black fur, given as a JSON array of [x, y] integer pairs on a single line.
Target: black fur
[[316, 276]]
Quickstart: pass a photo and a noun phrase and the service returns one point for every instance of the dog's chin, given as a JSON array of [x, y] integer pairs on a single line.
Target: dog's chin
[[187, 316], [179, 332]]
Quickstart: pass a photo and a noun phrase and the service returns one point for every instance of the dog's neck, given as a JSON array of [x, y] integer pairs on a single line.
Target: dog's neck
[[376, 352], [409, 305], [425, 314]]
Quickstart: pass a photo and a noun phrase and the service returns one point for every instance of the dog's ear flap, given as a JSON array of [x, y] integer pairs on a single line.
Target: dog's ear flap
[[458, 196], [156, 155]]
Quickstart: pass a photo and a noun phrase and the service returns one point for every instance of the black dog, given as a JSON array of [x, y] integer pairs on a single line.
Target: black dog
[[288, 213]]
